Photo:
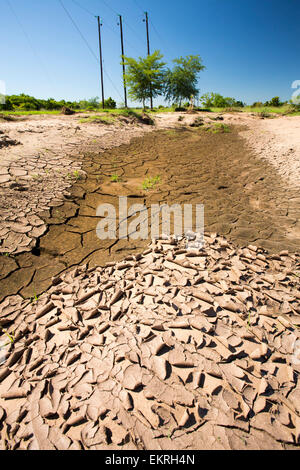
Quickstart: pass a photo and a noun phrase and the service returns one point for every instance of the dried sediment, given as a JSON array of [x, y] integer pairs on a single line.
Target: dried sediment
[[244, 200], [171, 349], [36, 176]]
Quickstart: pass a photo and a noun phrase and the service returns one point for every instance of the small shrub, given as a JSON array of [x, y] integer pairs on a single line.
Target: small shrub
[[264, 115], [98, 119], [198, 122], [274, 102], [257, 104], [77, 175]]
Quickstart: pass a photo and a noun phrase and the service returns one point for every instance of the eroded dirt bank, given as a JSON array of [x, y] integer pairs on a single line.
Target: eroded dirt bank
[[243, 196]]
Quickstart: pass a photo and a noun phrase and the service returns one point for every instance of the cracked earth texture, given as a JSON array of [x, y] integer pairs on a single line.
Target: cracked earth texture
[[243, 195], [169, 349]]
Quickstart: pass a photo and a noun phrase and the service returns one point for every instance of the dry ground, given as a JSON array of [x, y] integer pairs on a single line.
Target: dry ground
[[166, 350], [244, 197]]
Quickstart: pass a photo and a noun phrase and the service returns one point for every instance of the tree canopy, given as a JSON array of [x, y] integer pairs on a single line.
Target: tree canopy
[[181, 81], [215, 100], [145, 76]]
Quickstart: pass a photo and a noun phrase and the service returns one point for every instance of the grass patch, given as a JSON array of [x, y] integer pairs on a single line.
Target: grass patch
[[102, 119], [219, 128], [34, 299], [150, 183], [109, 116], [37, 177], [171, 132], [27, 113], [77, 175], [137, 112], [264, 115], [115, 179], [11, 337], [286, 109], [199, 122]]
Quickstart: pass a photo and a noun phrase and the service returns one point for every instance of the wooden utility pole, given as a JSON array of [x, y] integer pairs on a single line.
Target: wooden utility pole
[[123, 63], [101, 64], [146, 20], [147, 28]]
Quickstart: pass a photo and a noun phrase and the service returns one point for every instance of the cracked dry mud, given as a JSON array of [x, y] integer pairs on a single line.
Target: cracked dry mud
[[243, 196], [171, 349]]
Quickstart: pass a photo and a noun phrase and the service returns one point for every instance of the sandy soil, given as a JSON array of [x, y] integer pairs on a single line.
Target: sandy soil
[[278, 141]]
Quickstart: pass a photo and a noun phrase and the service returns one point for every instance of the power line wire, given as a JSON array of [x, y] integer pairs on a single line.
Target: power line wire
[[112, 83], [116, 13], [152, 24], [83, 8], [88, 45], [117, 35], [138, 5], [78, 30], [157, 33], [106, 25], [134, 32], [29, 41], [110, 8]]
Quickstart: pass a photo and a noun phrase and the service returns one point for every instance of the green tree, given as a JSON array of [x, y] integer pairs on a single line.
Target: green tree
[[274, 102], [7, 106], [181, 81], [145, 76], [215, 100], [207, 100], [110, 103], [220, 101]]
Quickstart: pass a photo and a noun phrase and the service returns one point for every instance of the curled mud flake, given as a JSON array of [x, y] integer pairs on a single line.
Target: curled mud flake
[[44, 310], [2, 415], [211, 385], [126, 400], [259, 354], [76, 420], [15, 356], [160, 367], [132, 378], [46, 409], [83, 391]]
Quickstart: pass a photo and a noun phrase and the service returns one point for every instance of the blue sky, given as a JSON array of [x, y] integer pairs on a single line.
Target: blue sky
[[251, 48]]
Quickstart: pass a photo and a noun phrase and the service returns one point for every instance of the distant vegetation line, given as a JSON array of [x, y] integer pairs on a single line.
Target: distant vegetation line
[[24, 102], [25, 105]]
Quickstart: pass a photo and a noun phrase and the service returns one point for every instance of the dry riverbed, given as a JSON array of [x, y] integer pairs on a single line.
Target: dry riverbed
[[95, 346]]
